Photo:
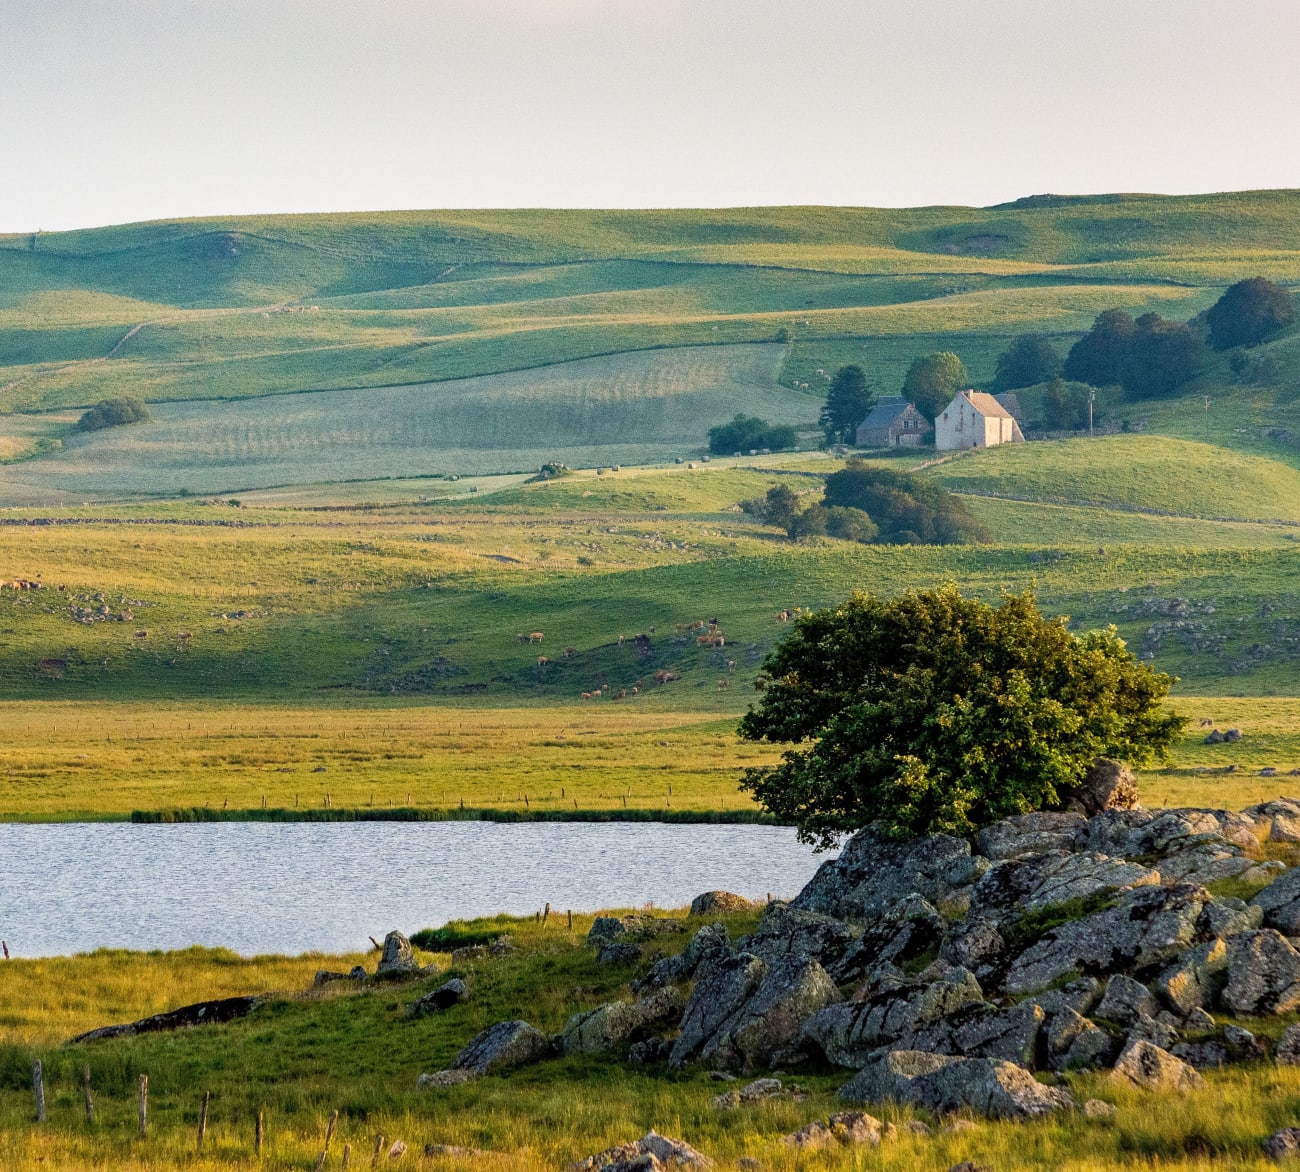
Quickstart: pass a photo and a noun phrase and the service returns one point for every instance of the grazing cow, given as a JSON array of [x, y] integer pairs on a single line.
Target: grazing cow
[[184, 635], [587, 695], [542, 661], [731, 665], [620, 640], [570, 652], [621, 694], [723, 682], [522, 638], [536, 636]]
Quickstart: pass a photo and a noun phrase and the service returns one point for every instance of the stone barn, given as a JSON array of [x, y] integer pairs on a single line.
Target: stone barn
[[893, 423], [975, 420]]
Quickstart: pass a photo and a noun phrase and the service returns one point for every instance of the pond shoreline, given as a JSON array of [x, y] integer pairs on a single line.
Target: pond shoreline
[[459, 814]]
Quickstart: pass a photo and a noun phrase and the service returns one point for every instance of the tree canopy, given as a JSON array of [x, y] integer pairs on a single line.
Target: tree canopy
[[113, 413], [847, 402], [1148, 357], [932, 381], [1248, 313], [748, 431], [1029, 360], [931, 712], [906, 509]]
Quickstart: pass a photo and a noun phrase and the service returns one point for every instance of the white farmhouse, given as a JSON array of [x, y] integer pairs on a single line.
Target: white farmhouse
[[975, 420]]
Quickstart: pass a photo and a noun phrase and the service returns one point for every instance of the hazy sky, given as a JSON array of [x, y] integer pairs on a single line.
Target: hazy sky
[[117, 110]]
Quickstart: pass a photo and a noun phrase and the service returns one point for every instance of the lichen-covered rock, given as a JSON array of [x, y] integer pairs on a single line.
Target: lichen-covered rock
[[1108, 785], [1011, 1035], [722, 986], [614, 952], [1054, 878], [1263, 975], [787, 931], [396, 959], [1147, 1066], [1275, 821], [609, 1027], [1195, 979], [1280, 903], [1148, 926], [667, 1153], [1284, 1144], [504, 1045], [1081, 995], [1206, 1054], [443, 997], [1287, 1052], [811, 1137], [1072, 1034], [1099, 1109], [632, 928], [446, 1078], [768, 1028], [1000, 1090], [712, 902], [850, 1033], [874, 873], [1146, 1028], [976, 944], [1029, 834], [846, 1127], [1125, 1000]]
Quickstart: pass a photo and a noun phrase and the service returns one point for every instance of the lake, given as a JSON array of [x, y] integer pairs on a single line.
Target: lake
[[301, 887]]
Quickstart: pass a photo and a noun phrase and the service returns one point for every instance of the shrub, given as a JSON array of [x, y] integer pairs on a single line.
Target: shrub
[[905, 509], [1029, 360], [113, 413], [746, 432], [932, 712], [1248, 313], [850, 524]]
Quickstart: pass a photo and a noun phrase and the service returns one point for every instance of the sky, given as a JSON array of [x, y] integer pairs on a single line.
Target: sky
[[114, 111]]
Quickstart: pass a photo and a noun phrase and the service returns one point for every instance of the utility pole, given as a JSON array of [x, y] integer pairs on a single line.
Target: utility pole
[[1207, 416], [1092, 398]]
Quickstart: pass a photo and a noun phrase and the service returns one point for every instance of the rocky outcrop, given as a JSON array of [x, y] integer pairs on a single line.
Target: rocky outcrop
[[1263, 974], [500, 1047], [201, 1013], [1279, 903], [1108, 785], [849, 1128]]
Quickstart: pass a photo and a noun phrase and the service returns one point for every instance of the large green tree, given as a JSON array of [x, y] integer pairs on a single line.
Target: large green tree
[[848, 401], [1248, 313], [934, 712], [932, 381], [1029, 360], [1097, 357]]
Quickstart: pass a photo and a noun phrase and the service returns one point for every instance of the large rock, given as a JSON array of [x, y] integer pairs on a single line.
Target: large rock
[[443, 997], [1125, 1001], [1263, 975], [711, 942], [1195, 980], [873, 873], [506, 1044], [1148, 1066], [1283, 1144], [851, 1033], [977, 944], [1054, 878], [1148, 926], [665, 1152], [767, 1030], [1280, 903], [610, 1027], [714, 902], [1288, 1047], [1011, 1035], [396, 959], [911, 930], [788, 931], [1000, 1090], [1275, 821], [1029, 834], [722, 986], [631, 929], [1075, 1043], [1108, 785]]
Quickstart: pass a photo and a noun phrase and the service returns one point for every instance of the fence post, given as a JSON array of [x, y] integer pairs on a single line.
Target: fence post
[[347, 1154], [329, 1135], [258, 1134], [203, 1119], [144, 1105], [379, 1147], [90, 1103], [38, 1084]]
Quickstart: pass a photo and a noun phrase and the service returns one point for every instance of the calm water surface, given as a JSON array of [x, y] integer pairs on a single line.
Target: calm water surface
[[299, 887]]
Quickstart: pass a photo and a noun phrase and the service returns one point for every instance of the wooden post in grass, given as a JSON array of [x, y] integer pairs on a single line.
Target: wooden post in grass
[[379, 1147], [570, 914], [329, 1135], [144, 1105], [90, 1102], [546, 914], [38, 1085], [203, 1119], [259, 1134], [347, 1154]]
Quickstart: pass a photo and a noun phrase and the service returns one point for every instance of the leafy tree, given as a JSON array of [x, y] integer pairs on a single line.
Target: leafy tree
[[932, 712], [777, 507], [1098, 357], [905, 509], [1065, 406], [809, 523], [933, 380], [113, 413], [1248, 313], [745, 432], [1029, 360], [847, 402], [1162, 356], [850, 524]]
